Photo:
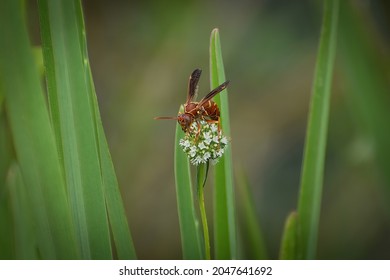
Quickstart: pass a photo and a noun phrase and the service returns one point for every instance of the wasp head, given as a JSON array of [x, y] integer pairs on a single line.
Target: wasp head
[[185, 121]]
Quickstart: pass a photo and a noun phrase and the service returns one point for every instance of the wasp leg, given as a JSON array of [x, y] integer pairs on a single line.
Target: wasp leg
[[198, 132], [219, 128], [217, 122]]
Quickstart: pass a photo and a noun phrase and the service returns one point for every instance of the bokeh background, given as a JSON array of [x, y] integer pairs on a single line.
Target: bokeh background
[[142, 53]]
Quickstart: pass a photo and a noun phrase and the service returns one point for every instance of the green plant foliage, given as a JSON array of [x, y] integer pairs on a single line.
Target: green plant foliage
[[224, 210], [288, 247], [33, 138], [61, 187], [366, 82], [316, 134], [92, 185], [201, 177], [189, 224], [251, 231]]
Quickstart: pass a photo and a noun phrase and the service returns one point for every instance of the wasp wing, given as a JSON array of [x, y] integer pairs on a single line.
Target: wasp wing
[[193, 85], [212, 93]]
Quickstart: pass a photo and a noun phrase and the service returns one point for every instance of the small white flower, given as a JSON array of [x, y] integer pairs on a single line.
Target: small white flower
[[201, 146], [206, 156], [224, 140], [207, 137], [216, 139], [197, 160], [194, 126], [214, 127], [184, 143], [193, 151]]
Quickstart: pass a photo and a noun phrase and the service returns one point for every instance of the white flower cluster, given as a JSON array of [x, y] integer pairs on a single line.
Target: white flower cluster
[[207, 144]]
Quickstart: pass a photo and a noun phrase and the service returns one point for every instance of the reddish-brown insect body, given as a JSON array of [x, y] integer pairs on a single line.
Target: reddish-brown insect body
[[205, 109]]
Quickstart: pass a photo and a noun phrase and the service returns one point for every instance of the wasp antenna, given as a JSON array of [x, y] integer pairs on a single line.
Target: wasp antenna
[[165, 118]]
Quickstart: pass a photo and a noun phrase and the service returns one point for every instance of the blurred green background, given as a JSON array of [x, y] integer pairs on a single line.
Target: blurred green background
[[141, 54]]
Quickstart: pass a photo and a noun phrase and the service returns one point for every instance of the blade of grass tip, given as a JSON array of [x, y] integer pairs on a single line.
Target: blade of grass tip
[[224, 210], [64, 50], [33, 138], [24, 239], [117, 216], [252, 233], [201, 177], [51, 83], [315, 145], [189, 224], [288, 247]]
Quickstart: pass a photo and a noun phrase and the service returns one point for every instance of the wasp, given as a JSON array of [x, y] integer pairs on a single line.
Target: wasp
[[206, 109]]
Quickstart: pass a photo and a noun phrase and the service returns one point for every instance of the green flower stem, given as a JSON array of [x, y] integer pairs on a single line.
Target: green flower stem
[[201, 176]]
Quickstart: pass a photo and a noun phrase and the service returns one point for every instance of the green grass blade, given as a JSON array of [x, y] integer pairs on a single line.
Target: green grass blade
[[288, 247], [314, 153], [6, 225], [51, 82], [189, 224], [201, 177], [64, 57], [224, 210], [33, 137], [23, 220], [1, 99], [115, 209], [5, 149], [255, 247], [7, 233]]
